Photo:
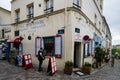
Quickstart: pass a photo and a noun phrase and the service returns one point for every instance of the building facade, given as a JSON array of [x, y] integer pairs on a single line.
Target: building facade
[[5, 21], [67, 29], [106, 36]]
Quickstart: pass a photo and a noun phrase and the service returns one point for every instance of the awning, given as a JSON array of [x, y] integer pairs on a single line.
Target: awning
[[15, 40]]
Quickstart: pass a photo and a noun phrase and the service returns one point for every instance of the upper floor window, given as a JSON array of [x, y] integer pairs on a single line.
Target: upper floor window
[[76, 3], [17, 17], [16, 33], [30, 8], [95, 21], [49, 6]]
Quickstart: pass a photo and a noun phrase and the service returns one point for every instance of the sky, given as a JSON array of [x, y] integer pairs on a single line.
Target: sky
[[111, 11]]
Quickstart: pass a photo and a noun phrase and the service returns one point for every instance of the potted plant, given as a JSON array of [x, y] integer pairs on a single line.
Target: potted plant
[[68, 67], [87, 68]]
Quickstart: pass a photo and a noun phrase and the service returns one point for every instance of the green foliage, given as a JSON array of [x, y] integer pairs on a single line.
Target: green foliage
[[88, 54], [87, 64], [29, 37], [113, 51], [118, 50], [98, 54], [69, 63]]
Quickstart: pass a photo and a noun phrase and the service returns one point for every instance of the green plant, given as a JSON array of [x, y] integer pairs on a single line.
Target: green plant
[[69, 63], [88, 54], [29, 37], [68, 67], [98, 54], [21, 38], [87, 64]]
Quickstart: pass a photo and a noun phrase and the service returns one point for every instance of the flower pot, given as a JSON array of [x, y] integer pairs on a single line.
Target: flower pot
[[68, 69], [87, 69]]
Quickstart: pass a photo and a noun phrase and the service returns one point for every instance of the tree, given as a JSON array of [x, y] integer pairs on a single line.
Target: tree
[[114, 51], [118, 50]]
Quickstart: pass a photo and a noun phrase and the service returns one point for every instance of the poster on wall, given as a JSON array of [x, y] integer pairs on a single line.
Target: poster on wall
[[38, 43], [58, 46]]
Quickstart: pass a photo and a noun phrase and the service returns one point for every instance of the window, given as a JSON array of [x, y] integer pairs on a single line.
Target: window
[[3, 35], [95, 17], [49, 46], [49, 6], [52, 45], [76, 3], [16, 33], [17, 12], [101, 2], [30, 8], [77, 30]]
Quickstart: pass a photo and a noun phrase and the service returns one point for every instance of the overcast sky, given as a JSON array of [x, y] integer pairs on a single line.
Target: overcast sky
[[111, 11]]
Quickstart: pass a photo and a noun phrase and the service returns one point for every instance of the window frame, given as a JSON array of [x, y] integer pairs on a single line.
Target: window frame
[[77, 3], [49, 6], [30, 11], [17, 15]]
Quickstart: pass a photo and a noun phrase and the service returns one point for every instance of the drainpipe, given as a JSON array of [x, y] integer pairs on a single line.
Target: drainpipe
[[65, 25]]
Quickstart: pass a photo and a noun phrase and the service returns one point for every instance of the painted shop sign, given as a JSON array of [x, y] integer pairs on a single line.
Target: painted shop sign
[[32, 26], [77, 37]]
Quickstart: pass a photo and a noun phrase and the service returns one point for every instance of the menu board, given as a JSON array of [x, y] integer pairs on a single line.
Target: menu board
[[58, 46]]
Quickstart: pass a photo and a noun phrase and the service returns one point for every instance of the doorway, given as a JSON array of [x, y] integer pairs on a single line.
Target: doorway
[[77, 50]]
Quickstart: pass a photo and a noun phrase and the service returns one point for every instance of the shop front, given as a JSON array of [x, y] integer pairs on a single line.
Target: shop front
[[14, 48], [3, 48], [52, 45]]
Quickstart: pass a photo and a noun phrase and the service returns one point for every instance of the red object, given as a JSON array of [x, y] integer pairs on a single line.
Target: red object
[[52, 65], [27, 61], [14, 40], [86, 38]]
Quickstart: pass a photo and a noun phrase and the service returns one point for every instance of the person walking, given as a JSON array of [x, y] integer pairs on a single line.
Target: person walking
[[112, 61], [107, 58], [41, 57]]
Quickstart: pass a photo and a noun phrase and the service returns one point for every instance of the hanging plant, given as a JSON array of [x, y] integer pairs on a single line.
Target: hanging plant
[[29, 37], [21, 38]]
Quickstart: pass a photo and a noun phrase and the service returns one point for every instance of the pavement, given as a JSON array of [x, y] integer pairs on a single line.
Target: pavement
[[11, 72]]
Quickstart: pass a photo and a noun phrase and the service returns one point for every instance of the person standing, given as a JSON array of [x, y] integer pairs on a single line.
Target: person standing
[[112, 61], [41, 57], [107, 58]]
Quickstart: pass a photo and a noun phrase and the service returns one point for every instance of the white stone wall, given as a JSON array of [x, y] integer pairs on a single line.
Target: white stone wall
[[68, 20], [5, 19]]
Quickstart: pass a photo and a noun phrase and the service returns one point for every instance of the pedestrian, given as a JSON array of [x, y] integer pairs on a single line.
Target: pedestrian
[[112, 61], [107, 58], [41, 57]]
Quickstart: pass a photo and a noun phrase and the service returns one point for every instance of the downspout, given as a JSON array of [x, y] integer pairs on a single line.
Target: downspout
[[65, 25]]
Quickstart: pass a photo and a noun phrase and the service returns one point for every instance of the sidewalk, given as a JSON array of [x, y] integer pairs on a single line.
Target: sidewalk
[[62, 76], [11, 72]]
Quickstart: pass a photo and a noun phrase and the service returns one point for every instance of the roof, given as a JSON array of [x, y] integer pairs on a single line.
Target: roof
[[1, 8]]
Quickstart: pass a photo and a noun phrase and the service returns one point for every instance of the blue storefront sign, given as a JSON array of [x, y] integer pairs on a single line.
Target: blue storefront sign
[[61, 31]]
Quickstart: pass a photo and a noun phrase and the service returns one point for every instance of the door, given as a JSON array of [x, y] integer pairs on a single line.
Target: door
[[77, 54]]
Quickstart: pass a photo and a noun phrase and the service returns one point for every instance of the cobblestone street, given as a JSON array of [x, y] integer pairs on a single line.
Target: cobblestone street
[[10, 72]]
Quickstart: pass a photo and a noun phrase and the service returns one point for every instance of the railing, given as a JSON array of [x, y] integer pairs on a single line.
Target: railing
[[48, 10], [76, 5], [17, 20], [30, 15]]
